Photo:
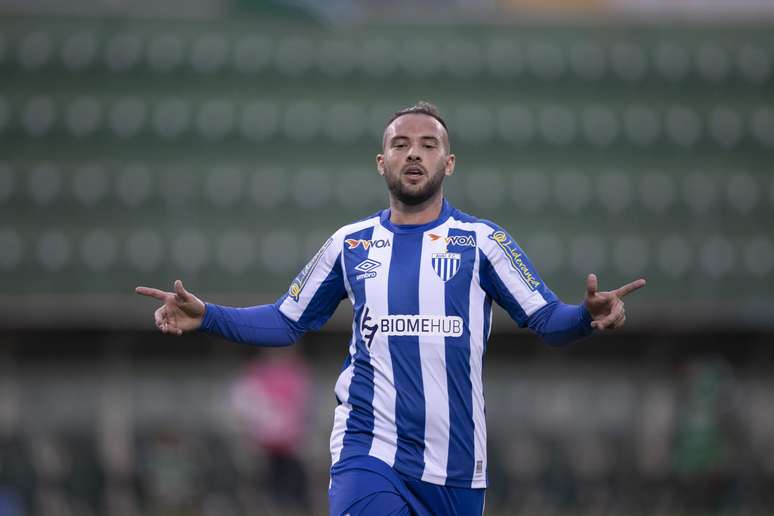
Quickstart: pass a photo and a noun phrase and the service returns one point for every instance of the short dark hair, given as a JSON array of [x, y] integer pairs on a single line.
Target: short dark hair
[[421, 108]]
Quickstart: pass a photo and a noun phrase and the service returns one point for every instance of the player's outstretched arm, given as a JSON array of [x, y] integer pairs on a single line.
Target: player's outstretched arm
[[261, 325], [607, 308], [180, 312]]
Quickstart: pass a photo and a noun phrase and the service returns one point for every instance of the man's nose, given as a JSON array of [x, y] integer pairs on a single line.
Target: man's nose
[[413, 155]]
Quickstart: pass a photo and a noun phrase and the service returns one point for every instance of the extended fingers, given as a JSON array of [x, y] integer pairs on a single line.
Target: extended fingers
[[151, 292], [630, 287], [591, 285], [181, 294]]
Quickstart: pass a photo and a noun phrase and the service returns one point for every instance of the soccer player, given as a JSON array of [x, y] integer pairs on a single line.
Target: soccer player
[[409, 435]]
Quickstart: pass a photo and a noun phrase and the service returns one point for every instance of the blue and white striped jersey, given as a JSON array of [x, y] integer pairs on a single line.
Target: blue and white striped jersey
[[411, 391]]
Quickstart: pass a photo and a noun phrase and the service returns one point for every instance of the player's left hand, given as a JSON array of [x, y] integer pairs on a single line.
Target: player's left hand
[[607, 308]]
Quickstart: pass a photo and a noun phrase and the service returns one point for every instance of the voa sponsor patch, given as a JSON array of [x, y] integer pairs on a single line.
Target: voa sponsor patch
[[459, 240], [366, 244]]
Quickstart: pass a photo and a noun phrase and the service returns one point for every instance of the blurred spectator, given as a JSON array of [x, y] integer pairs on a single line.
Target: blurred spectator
[[271, 400], [170, 470], [85, 482], [654, 426], [16, 477], [16, 473], [703, 452]]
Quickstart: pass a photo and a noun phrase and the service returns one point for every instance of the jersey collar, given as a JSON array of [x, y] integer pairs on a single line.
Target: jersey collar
[[446, 211]]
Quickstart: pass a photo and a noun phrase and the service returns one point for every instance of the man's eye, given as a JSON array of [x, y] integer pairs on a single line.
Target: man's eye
[[429, 146]]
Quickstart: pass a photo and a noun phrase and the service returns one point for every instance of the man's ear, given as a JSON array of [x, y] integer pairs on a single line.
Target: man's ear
[[380, 164], [451, 159]]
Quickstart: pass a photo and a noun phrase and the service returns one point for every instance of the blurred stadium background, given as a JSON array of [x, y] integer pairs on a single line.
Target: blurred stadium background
[[222, 141]]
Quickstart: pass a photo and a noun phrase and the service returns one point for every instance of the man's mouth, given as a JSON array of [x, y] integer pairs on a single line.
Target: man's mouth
[[414, 171]]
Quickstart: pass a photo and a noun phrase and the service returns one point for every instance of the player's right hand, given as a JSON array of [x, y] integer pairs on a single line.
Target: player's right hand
[[181, 311]]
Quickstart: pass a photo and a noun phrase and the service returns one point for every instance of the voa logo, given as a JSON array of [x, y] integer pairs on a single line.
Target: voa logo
[[354, 244], [460, 240]]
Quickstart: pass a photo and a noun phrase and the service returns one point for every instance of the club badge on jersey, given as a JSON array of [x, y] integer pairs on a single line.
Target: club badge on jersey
[[446, 265]]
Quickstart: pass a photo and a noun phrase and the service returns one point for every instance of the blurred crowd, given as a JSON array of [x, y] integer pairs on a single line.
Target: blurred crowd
[[693, 439]]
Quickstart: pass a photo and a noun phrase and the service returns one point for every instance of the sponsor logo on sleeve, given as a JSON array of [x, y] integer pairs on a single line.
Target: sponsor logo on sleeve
[[299, 283], [515, 258]]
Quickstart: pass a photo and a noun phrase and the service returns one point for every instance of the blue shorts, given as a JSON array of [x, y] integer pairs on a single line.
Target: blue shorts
[[366, 486]]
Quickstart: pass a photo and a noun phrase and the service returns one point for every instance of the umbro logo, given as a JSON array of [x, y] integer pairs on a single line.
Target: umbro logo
[[367, 267]]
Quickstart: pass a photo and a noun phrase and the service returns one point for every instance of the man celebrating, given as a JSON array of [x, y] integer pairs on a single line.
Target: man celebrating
[[409, 435]]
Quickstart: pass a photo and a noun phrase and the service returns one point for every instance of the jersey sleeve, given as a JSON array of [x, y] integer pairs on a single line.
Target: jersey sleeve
[[261, 325], [508, 276], [318, 289], [309, 302]]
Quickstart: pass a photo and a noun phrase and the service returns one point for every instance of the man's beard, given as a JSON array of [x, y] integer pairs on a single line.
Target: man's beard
[[414, 197]]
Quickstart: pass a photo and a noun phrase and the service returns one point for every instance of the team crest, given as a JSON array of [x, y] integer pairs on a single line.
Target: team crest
[[446, 265]]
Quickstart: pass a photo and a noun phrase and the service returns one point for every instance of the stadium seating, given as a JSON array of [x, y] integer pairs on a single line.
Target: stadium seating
[[225, 153]]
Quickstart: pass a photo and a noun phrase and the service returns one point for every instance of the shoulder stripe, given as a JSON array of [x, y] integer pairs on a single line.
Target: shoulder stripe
[[308, 281], [519, 281], [344, 231]]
